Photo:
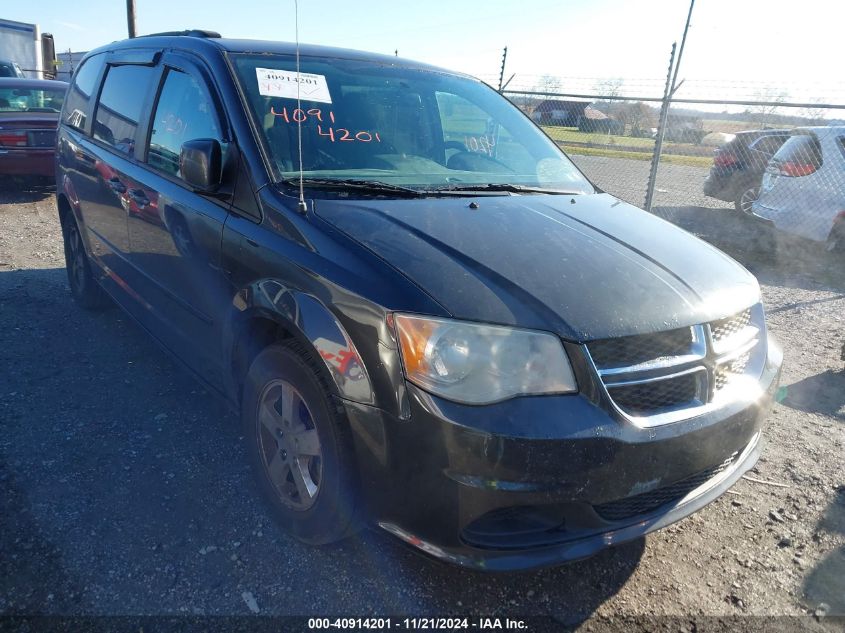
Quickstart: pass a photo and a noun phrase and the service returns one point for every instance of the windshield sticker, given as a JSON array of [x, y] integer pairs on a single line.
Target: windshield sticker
[[283, 83], [334, 134]]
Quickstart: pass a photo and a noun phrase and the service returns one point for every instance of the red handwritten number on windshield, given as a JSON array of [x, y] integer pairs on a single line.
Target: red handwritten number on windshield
[[298, 115]]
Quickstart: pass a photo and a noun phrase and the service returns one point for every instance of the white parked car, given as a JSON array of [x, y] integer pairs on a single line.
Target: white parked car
[[803, 189]]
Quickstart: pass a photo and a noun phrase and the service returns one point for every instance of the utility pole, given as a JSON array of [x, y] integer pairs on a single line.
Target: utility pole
[[130, 17], [681, 51], [671, 87], [502, 71], [661, 128]]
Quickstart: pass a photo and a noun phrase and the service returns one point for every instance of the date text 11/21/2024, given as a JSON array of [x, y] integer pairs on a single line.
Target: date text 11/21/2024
[[299, 115], [421, 623]]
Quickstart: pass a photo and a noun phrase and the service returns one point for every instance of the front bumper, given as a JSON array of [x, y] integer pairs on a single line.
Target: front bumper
[[538, 481], [796, 220]]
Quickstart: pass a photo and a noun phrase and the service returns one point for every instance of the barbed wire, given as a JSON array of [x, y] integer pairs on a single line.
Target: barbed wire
[[805, 93]]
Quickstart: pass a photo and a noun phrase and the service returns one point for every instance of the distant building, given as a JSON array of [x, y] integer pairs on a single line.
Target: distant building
[[580, 114], [594, 120], [559, 112]]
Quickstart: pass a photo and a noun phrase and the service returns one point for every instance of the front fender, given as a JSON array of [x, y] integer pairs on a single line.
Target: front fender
[[308, 319]]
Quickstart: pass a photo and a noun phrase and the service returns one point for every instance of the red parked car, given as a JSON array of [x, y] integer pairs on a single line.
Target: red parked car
[[29, 114]]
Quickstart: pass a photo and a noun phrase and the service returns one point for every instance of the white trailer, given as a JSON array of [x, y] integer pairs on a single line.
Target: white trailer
[[24, 44]]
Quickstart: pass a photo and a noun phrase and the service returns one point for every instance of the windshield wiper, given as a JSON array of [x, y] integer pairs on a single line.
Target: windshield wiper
[[504, 186], [364, 186]]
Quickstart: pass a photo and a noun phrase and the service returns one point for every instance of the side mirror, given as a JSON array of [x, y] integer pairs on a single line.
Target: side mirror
[[200, 163]]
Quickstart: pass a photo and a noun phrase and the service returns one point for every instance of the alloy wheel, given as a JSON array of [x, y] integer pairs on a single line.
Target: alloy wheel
[[747, 199], [289, 445]]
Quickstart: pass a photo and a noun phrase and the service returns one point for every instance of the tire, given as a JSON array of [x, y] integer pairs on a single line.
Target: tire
[[84, 288], [748, 193], [301, 454]]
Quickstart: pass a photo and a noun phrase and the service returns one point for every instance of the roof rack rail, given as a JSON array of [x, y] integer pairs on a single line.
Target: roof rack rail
[[185, 33]]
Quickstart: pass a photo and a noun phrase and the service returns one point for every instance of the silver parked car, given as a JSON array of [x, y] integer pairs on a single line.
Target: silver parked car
[[803, 189]]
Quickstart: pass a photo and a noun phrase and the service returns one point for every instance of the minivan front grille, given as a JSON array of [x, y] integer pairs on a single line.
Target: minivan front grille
[[647, 397], [634, 350], [726, 372], [658, 378], [724, 330]]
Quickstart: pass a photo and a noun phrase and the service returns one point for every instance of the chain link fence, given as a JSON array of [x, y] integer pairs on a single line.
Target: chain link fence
[[746, 148]]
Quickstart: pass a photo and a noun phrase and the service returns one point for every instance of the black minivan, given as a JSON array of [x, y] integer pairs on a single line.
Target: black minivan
[[428, 318]]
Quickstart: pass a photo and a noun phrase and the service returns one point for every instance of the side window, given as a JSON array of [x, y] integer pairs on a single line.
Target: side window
[[121, 102], [184, 112], [769, 144], [79, 94]]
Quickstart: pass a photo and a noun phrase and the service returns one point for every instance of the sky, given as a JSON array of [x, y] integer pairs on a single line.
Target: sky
[[735, 48]]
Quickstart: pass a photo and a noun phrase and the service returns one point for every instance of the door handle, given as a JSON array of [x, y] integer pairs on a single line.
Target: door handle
[[116, 186]]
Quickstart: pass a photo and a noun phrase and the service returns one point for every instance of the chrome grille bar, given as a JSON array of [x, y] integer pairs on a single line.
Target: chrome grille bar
[[658, 388]]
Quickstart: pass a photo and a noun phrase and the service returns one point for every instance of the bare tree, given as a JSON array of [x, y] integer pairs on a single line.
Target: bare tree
[[549, 83], [638, 118], [609, 88], [814, 113], [771, 97]]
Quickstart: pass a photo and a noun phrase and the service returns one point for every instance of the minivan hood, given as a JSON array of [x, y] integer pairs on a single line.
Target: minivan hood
[[584, 266]]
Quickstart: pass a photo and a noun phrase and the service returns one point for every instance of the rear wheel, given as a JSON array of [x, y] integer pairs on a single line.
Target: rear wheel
[[299, 445], [747, 195], [85, 290]]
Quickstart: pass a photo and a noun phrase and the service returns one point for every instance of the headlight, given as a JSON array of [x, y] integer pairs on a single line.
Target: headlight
[[480, 364]]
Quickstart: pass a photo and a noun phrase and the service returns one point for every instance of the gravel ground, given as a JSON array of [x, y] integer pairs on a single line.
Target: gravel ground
[[124, 487]]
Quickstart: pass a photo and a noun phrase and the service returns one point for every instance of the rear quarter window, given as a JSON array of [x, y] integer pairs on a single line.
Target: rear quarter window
[[803, 151], [78, 98]]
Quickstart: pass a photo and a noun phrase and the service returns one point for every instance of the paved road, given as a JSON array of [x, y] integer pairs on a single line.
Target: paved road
[[677, 185], [124, 487]]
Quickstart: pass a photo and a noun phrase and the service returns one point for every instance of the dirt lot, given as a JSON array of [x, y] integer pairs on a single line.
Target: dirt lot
[[124, 487]]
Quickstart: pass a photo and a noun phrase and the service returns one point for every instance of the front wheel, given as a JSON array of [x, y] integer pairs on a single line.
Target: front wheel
[[299, 445]]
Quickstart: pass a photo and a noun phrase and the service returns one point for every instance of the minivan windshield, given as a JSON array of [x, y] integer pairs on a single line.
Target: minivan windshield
[[367, 122]]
